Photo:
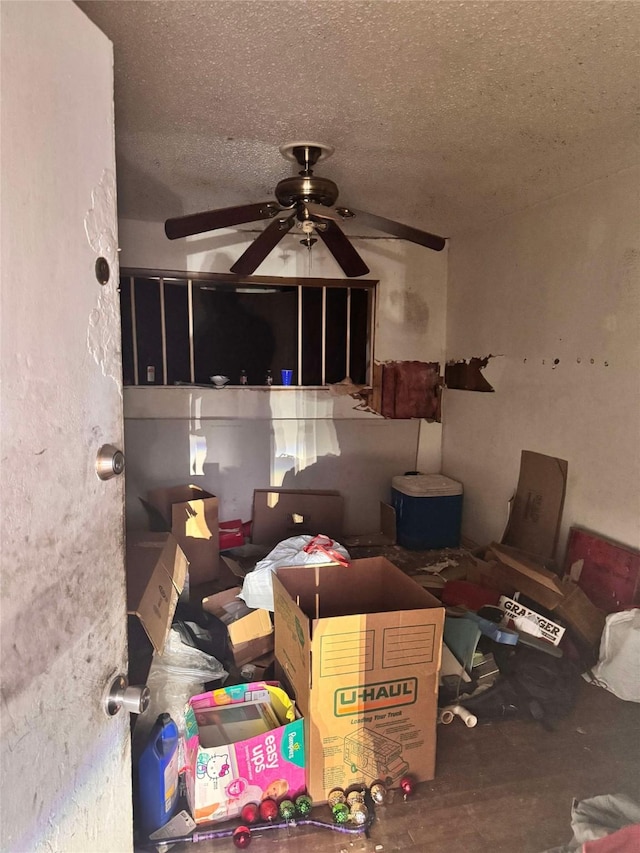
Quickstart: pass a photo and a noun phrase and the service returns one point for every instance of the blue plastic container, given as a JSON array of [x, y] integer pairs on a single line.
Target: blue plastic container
[[158, 774], [428, 511]]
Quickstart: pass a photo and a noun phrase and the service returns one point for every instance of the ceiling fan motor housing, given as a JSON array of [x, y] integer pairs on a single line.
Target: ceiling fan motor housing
[[306, 188]]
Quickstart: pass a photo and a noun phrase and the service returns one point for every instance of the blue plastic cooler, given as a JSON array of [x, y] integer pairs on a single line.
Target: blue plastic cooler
[[428, 511]]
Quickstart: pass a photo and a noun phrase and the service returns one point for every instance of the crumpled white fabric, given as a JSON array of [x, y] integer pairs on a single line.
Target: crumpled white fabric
[[598, 817], [618, 667], [257, 589]]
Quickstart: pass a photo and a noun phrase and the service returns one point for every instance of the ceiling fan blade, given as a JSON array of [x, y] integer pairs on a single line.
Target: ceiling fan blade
[[350, 261], [397, 229], [225, 217], [251, 259]]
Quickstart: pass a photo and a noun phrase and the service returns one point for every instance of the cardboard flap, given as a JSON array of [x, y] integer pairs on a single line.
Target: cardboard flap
[[251, 625], [163, 498], [293, 639], [156, 574], [536, 512]]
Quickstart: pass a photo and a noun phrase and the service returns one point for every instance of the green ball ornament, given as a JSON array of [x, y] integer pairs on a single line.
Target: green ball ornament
[[304, 805], [341, 813], [287, 810]]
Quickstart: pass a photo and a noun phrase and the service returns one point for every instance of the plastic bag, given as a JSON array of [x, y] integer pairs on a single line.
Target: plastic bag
[[617, 669], [257, 589], [175, 676]]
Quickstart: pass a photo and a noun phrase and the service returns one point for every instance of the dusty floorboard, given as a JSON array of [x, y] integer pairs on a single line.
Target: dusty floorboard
[[503, 787]]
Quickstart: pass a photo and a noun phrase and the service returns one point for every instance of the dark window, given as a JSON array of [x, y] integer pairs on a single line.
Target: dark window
[[184, 328]]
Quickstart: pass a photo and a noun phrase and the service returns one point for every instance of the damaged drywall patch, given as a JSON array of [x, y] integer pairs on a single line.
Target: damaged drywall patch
[[467, 375], [103, 332]]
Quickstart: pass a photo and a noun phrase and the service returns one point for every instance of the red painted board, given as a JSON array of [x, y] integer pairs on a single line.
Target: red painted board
[[609, 574]]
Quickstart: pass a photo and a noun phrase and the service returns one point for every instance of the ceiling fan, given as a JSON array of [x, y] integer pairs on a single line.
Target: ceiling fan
[[305, 201]]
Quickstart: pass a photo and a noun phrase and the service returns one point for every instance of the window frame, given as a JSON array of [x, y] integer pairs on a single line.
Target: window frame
[[198, 279]]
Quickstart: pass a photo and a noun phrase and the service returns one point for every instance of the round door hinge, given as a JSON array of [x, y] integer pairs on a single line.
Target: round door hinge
[[119, 695], [109, 462]]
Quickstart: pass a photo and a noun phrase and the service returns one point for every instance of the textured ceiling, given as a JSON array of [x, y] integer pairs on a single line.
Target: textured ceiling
[[443, 114]]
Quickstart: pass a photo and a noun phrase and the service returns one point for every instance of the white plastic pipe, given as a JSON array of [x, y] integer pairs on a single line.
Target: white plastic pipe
[[466, 716], [445, 716]]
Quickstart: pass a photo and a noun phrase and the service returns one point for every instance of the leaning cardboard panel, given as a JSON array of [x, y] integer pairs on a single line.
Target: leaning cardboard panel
[[281, 513], [193, 516], [536, 511], [361, 648], [156, 573]]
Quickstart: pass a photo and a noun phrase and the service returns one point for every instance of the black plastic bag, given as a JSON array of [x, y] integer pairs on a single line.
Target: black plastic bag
[[531, 684]]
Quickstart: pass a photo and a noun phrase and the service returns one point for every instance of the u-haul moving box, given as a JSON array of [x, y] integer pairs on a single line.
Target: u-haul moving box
[[360, 648]]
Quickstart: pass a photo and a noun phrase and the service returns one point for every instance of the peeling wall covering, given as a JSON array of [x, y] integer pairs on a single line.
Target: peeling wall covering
[[100, 225], [555, 290], [467, 375]]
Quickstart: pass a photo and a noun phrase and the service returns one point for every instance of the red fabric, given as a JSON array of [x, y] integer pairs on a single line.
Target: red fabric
[[324, 545], [625, 840], [468, 594]]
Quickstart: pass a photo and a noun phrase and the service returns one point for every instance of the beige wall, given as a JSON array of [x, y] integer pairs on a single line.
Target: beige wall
[[559, 281], [241, 440]]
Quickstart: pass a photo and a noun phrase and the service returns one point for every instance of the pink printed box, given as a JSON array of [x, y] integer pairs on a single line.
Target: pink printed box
[[244, 743]]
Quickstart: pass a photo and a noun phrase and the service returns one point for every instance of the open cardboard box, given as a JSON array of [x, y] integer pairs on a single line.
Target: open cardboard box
[[508, 571], [243, 743], [361, 649], [192, 515], [281, 513], [156, 573], [250, 631]]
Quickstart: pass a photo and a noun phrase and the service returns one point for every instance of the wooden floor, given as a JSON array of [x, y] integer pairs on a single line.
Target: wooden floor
[[502, 787]]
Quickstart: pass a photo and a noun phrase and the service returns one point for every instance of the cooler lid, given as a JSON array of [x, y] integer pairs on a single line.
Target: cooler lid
[[426, 485]]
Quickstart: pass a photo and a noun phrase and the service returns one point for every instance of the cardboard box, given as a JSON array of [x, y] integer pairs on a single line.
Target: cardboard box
[[236, 755], [192, 515], [581, 614], [250, 631], [361, 649], [512, 571], [281, 513], [156, 573], [527, 576], [536, 510]]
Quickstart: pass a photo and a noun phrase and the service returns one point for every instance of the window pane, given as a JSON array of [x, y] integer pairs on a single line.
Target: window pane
[[312, 336], [176, 313], [359, 335], [236, 330], [128, 375], [336, 335], [148, 331]]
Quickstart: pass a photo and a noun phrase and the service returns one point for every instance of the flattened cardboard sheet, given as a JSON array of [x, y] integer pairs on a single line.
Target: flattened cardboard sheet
[[536, 511], [279, 514]]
